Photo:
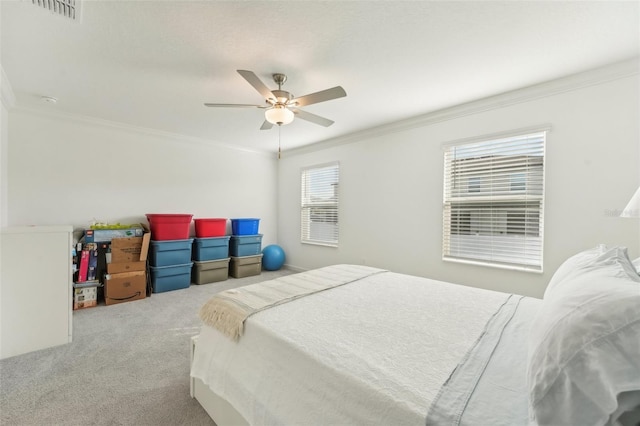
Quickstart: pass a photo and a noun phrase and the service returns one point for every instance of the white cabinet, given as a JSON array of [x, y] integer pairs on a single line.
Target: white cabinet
[[35, 288]]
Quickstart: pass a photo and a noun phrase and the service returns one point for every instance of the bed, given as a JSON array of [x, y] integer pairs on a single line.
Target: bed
[[379, 347]]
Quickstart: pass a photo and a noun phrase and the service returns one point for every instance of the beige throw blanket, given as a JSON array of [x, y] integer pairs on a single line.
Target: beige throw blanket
[[228, 310]]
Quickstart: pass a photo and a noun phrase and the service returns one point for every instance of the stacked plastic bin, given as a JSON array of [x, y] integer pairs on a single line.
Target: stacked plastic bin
[[170, 255], [210, 251], [245, 248]]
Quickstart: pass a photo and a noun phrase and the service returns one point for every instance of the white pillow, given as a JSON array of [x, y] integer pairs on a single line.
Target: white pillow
[[592, 258], [571, 264], [636, 263], [584, 345]]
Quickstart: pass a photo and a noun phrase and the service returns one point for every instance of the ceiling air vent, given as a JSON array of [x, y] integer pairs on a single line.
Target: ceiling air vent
[[66, 8]]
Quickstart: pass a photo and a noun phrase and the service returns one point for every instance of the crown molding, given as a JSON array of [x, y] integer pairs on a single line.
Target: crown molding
[[6, 92], [173, 137], [572, 82]]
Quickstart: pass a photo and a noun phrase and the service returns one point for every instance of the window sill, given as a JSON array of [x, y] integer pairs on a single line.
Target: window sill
[[320, 243], [521, 268]]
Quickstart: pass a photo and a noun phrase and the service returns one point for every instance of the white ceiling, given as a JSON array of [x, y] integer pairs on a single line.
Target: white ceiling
[[153, 64]]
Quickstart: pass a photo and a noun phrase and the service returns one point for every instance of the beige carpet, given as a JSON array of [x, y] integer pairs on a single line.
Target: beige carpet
[[128, 364]]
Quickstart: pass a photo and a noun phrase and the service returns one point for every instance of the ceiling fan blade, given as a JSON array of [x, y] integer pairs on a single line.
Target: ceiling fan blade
[[322, 96], [235, 105], [312, 117], [257, 84], [266, 125]]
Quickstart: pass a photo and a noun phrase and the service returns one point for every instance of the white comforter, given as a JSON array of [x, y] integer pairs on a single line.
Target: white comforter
[[376, 351]]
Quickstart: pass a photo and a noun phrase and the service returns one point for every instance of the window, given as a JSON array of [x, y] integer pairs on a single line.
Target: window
[[319, 205], [474, 184], [493, 201]]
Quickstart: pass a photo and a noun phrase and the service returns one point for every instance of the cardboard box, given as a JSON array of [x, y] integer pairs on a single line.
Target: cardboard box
[[92, 271], [125, 287], [85, 293], [126, 277], [85, 304], [133, 249], [85, 297], [106, 235], [118, 268]]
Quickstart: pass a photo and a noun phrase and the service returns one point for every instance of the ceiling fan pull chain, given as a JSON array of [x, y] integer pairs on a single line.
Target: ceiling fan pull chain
[[279, 129]]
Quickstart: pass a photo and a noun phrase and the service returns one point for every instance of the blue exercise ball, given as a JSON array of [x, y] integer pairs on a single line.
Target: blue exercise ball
[[272, 257]]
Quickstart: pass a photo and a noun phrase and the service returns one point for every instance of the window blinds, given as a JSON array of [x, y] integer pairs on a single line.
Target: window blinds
[[494, 201], [67, 8], [319, 205]]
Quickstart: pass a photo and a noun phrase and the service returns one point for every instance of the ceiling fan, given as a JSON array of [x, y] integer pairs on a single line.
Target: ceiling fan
[[281, 107]]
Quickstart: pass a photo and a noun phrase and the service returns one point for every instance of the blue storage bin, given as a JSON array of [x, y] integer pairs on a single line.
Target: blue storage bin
[[213, 248], [171, 252], [167, 278], [247, 226], [246, 245]]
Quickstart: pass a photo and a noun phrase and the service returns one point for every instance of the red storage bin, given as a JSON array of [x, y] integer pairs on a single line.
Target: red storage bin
[[169, 226], [206, 228]]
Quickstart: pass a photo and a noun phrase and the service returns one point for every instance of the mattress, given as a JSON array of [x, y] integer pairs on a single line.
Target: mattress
[[380, 350]]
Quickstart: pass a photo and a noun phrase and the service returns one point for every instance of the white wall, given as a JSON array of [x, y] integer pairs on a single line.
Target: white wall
[[4, 143], [391, 186], [65, 170], [7, 101], [4, 140]]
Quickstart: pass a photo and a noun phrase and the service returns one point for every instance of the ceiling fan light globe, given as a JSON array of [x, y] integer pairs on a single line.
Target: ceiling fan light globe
[[279, 115]]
